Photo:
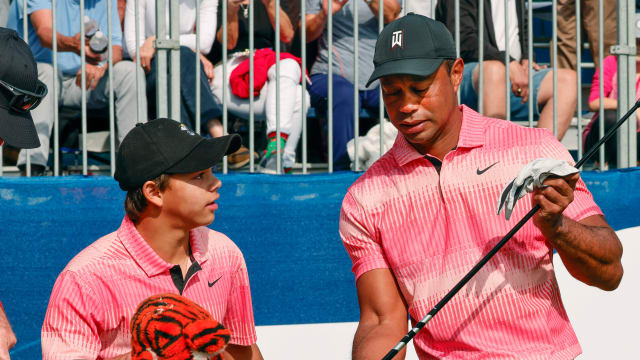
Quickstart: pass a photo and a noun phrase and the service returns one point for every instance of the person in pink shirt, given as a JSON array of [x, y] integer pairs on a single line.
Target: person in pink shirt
[[591, 132], [421, 216], [162, 246]]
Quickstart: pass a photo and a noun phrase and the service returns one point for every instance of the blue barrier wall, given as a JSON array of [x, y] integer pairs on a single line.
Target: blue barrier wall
[[287, 228]]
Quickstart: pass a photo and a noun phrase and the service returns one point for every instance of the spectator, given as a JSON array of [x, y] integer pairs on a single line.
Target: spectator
[[316, 20], [588, 22], [162, 246], [69, 65], [148, 58], [265, 68], [540, 92], [20, 92], [591, 133]]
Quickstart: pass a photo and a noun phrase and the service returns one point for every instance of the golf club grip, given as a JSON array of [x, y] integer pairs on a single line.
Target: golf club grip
[[405, 340]]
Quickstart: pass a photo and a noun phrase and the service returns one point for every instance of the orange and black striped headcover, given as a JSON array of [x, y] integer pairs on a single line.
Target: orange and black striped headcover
[[170, 326]]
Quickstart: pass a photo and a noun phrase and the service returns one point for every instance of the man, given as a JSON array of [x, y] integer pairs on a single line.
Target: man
[[20, 92], [162, 246], [589, 22], [419, 219], [316, 21], [540, 91], [69, 64]]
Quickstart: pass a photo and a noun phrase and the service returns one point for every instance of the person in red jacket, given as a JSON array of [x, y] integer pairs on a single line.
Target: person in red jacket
[[265, 97]]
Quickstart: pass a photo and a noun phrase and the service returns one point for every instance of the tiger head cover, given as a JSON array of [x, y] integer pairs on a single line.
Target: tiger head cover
[[170, 326]]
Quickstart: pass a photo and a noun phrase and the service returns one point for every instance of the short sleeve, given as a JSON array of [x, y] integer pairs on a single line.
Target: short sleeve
[[583, 204], [313, 6], [239, 315], [359, 239], [70, 329]]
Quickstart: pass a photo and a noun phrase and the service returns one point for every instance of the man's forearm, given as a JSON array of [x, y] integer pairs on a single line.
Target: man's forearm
[[391, 9], [286, 27], [315, 24], [590, 253], [375, 340]]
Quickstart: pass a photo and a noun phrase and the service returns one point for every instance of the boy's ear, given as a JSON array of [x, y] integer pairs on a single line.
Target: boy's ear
[[152, 193]]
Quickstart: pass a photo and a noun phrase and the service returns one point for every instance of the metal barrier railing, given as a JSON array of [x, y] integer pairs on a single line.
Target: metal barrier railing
[[168, 97]]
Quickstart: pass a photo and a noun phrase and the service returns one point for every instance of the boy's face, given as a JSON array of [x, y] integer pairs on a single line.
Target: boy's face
[[190, 199]]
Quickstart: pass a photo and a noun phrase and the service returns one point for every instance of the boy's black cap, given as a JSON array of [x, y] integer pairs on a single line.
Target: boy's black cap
[[164, 146], [412, 45], [17, 68]]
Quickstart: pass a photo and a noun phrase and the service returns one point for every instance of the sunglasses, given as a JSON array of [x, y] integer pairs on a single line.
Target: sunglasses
[[23, 100]]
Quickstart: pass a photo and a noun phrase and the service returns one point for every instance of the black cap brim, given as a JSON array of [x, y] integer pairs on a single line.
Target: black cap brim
[[419, 67], [206, 154], [17, 129]]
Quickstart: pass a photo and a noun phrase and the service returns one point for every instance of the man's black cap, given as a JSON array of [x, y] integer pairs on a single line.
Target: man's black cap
[[164, 146], [412, 45], [17, 68]]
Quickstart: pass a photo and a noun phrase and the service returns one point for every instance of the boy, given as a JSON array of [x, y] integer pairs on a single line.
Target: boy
[[163, 245]]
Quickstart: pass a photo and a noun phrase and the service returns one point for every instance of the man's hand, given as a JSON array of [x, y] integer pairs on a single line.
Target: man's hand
[[553, 199], [94, 74], [91, 57], [146, 54], [7, 337], [519, 76], [336, 5], [207, 66]]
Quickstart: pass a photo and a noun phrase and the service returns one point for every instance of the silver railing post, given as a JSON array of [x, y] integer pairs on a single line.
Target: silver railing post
[[158, 57], [252, 141], [579, 75], [356, 92], [600, 73], [303, 113], [25, 37], [330, 87], [507, 98], [197, 82], [83, 90], [480, 55], [162, 103], [278, 147], [224, 78], [456, 9], [555, 66], [380, 102], [626, 52], [112, 127], [54, 92], [530, 58], [175, 60]]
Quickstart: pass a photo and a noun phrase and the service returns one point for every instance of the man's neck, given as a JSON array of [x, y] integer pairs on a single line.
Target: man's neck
[[170, 242], [447, 139]]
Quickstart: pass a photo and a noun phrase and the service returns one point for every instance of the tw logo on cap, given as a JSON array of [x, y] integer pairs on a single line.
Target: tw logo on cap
[[396, 39], [186, 129]]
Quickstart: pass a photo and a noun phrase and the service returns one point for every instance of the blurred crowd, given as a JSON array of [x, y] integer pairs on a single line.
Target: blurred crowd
[[499, 38]]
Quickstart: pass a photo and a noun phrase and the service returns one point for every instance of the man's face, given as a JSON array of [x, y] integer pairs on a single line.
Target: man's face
[[420, 107], [190, 199]]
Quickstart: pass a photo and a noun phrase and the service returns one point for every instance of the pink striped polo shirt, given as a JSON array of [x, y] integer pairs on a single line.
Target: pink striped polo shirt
[[97, 293], [430, 229]]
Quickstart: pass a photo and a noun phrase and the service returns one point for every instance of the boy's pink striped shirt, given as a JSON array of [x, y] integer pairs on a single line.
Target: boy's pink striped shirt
[[97, 293], [430, 229]]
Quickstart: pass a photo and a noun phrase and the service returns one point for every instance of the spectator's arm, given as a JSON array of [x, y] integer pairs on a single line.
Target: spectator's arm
[[315, 24], [208, 10], [7, 337], [609, 104], [391, 9], [130, 27], [286, 27], [232, 25], [41, 21]]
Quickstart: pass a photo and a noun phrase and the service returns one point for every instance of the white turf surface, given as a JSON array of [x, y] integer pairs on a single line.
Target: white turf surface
[[606, 323]]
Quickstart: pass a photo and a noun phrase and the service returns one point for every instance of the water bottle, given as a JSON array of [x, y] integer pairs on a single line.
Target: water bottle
[[98, 42]]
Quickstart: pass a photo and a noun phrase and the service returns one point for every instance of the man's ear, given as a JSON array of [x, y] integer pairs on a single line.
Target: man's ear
[[457, 69], [152, 193]]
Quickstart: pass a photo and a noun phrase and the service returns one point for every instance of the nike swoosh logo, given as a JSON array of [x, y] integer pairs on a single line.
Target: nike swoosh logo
[[480, 172], [214, 282]]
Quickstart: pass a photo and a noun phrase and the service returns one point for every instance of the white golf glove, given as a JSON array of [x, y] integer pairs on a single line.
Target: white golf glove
[[529, 178]]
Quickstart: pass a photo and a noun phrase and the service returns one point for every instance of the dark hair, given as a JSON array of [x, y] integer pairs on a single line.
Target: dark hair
[[449, 63], [135, 202]]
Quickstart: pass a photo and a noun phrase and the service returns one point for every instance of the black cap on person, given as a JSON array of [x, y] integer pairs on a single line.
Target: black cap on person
[[412, 45], [164, 146], [18, 69]]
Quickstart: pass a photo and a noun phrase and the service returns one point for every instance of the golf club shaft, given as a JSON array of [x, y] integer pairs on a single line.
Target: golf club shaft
[[405, 340]]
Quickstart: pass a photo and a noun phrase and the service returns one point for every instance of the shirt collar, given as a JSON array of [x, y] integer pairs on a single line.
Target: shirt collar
[[150, 262], [471, 135]]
